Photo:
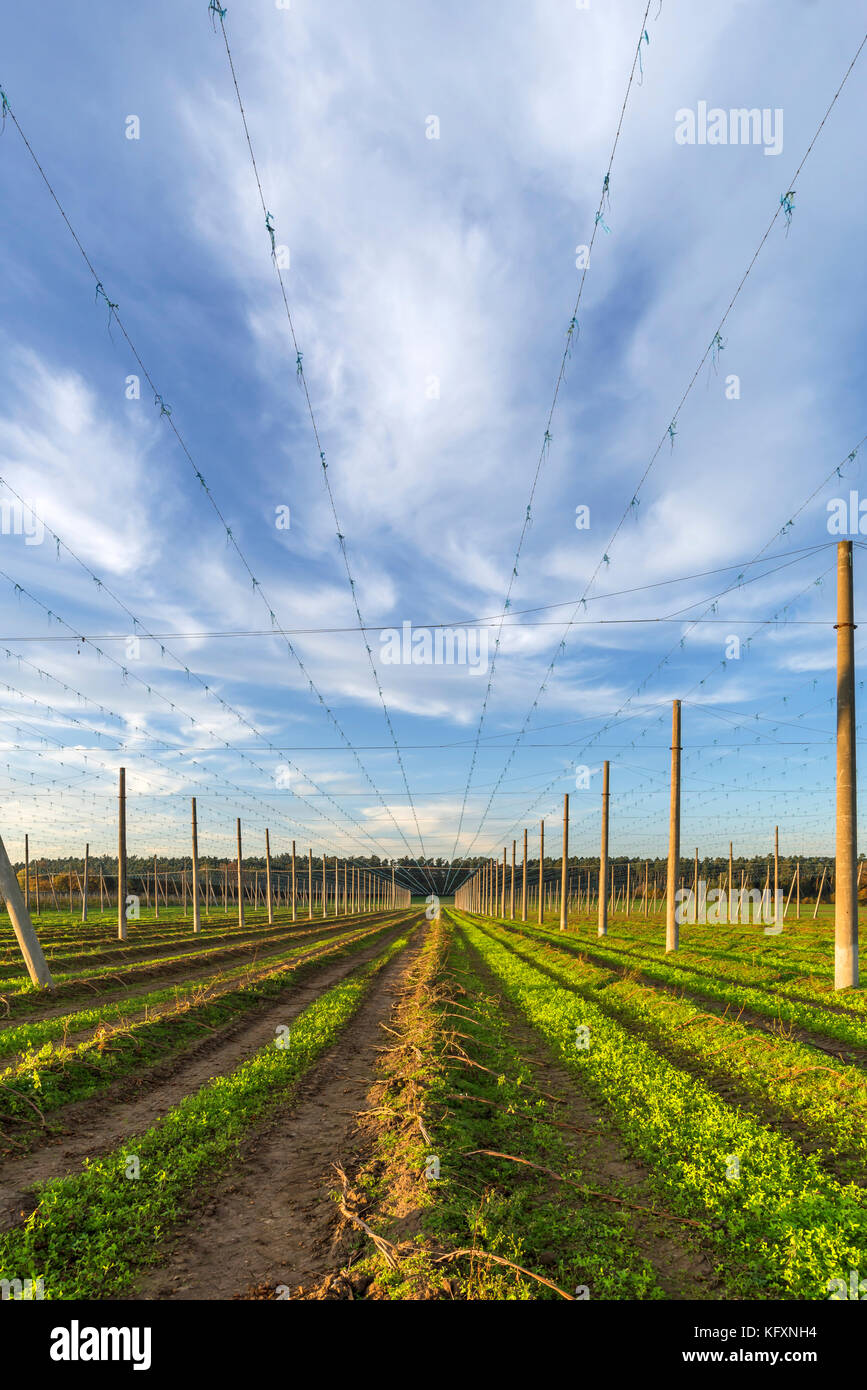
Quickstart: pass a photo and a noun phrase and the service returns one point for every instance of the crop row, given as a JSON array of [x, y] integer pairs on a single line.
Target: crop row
[[780, 1079], [823, 1022], [91, 1232], [783, 1227], [50, 1077]]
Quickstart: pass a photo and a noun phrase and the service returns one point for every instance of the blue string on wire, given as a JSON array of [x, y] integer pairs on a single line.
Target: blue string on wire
[[645, 38], [111, 307], [4, 107], [787, 202], [216, 11]]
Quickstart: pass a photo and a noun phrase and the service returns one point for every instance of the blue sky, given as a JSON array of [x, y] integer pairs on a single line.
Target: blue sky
[[431, 284]]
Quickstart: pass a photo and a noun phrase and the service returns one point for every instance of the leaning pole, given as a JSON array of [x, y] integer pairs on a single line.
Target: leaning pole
[[37, 966]]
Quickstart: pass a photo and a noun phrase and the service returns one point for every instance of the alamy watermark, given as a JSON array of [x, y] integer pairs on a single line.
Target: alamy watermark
[[847, 518], [719, 906], [739, 126], [439, 646], [18, 520]]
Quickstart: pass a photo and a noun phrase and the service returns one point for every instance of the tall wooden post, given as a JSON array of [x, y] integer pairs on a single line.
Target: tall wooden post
[[240, 876], [121, 855], [602, 925], [84, 884], [268, 878], [695, 888], [672, 932], [27, 873], [197, 921], [393, 898], [310, 885], [564, 871], [156, 890], [778, 921], [540, 904], [512, 892], [846, 891], [293, 883], [524, 883], [731, 878], [34, 959]]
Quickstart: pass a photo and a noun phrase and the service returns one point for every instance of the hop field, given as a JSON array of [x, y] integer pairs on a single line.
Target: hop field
[[403, 1106]]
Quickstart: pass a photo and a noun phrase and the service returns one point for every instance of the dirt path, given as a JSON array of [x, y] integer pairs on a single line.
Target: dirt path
[[273, 1224], [134, 1103]]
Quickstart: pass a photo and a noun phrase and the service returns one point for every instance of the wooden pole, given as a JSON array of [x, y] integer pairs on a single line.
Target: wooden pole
[[777, 919], [270, 895], [34, 959], [156, 891], [121, 855], [512, 893], [240, 875], [27, 873], [602, 923], [293, 883], [502, 911], [846, 892], [524, 883], [541, 872], [819, 894], [672, 932], [84, 884], [197, 921], [310, 885], [564, 871]]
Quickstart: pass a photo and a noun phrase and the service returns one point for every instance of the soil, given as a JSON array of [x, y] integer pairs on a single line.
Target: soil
[[269, 1230], [130, 1106]]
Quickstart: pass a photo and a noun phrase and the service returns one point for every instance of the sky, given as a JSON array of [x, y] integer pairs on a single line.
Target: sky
[[431, 174]]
